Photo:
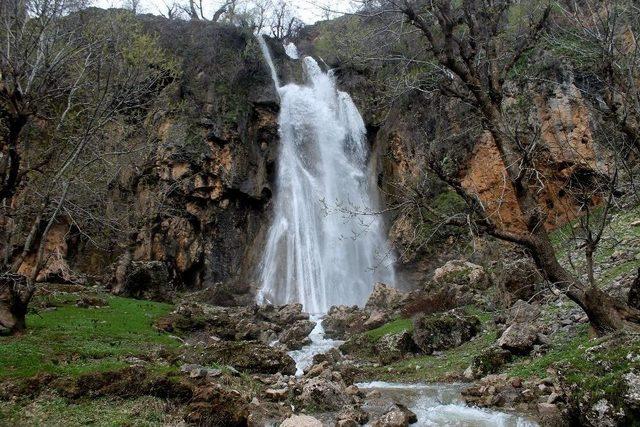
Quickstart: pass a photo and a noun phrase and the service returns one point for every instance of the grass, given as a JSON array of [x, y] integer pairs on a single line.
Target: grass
[[57, 411], [72, 340], [566, 350], [617, 229], [394, 327], [450, 364]]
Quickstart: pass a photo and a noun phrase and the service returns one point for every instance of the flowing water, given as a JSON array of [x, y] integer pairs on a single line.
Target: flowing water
[[438, 405], [326, 246], [319, 344]]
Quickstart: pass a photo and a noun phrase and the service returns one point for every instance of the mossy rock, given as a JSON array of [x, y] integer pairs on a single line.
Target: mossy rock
[[442, 331]]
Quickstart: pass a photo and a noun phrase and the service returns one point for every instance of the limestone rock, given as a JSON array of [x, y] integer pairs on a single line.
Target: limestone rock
[[488, 362], [462, 272], [297, 335], [249, 356], [518, 338], [400, 416], [323, 393], [442, 331], [393, 347], [343, 320], [384, 298], [301, 421], [517, 280]]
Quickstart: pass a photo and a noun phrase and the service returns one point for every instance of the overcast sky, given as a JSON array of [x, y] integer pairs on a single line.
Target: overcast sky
[[309, 11]]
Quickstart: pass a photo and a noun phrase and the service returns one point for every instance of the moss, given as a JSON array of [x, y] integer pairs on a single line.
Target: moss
[[72, 340], [394, 327], [448, 365]]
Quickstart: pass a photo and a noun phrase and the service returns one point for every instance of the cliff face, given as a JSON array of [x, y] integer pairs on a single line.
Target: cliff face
[[203, 200], [195, 189], [198, 195]]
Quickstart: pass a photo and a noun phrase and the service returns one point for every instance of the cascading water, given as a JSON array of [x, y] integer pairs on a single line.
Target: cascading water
[[325, 246]]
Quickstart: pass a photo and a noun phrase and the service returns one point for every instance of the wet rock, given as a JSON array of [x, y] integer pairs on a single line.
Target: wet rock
[[400, 416], [324, 394], [519, 338], [343, 320], [331, 357], [442, 331], [283, 315], [352, 416], [393, 347], [248, 356], [301, 421], [297, 335]]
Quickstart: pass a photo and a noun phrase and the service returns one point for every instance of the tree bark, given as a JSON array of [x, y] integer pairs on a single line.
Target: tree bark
[[11, 179], [15, 294]]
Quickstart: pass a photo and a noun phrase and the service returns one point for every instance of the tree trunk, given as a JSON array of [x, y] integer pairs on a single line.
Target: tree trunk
[[10, 180], [605, 314], [15, 294]]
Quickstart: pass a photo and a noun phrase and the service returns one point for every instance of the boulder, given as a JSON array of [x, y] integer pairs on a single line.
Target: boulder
[[376, 319], [143, 280], [488, 362], [324, 394], [352, 416], [297, 335], [519, 338], [442, 331], [384, 299], [343, 320], [393, 347], [301, 421], [464, 273], [399, 416], [217, 405], [517, 279], [523, 312], [283, 315], [249, 356]]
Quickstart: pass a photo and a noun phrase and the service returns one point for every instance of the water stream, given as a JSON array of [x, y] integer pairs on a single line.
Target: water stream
[[438, 405]]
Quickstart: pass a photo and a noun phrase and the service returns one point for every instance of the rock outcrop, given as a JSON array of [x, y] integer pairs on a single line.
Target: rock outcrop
[[442, 331]]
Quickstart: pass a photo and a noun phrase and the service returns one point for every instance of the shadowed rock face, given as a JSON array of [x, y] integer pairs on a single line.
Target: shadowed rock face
[[198, 195]]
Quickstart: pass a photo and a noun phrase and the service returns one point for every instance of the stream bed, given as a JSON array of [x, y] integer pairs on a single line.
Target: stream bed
[[437, 405]]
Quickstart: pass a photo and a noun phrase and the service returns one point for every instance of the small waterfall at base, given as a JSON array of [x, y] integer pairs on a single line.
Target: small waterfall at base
[[325, 246]]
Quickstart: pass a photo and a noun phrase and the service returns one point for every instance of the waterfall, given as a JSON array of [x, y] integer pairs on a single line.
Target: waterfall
[[325, 246]]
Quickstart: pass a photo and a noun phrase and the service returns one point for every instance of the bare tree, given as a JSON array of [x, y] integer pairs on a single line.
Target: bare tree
[[473, 48], [601, 39], [110, 79]]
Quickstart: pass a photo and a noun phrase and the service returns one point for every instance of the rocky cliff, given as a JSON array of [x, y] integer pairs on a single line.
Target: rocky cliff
[[198, 196]]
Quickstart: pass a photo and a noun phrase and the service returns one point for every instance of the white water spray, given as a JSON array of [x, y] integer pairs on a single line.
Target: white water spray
[[324, 247]]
